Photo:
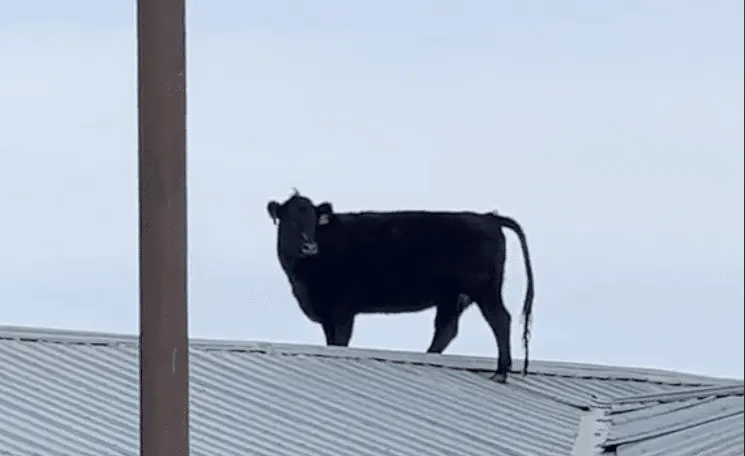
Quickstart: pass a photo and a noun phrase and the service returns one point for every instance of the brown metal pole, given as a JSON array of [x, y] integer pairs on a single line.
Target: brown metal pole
[[164, 382]]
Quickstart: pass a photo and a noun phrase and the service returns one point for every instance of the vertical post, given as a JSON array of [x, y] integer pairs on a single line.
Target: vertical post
[[164, 370]]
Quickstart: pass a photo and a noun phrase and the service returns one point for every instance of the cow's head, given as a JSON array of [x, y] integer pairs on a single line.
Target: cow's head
[[296, 220]]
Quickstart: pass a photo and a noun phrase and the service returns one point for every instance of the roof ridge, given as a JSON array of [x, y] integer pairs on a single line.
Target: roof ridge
[[460, 362]]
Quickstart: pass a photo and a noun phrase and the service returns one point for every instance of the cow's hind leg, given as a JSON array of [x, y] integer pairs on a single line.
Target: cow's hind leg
[[338, 330], [446, 322], [492, 307]]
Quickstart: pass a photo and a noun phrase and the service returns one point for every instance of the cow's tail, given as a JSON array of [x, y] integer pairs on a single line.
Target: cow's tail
[[510, 223]]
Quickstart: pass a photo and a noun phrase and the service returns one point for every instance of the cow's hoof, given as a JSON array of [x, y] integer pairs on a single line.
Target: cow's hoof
[[499, 377]]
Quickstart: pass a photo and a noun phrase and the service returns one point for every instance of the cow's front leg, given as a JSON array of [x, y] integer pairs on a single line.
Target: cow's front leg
[[338, 330]]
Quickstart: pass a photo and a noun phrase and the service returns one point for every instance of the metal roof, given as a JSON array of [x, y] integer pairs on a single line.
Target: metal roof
[[691, 422], [76, 393]]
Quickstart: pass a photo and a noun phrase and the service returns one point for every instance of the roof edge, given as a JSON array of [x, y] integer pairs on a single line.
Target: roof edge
[[462, 362], [736, 388]]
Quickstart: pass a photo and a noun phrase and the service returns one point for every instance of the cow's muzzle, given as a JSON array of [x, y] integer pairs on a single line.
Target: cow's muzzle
[[309, 249]]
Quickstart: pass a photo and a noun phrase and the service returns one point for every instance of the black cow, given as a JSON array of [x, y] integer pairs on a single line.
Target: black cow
[[343, 264]]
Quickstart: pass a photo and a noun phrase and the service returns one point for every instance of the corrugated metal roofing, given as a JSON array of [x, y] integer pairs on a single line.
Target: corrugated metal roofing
[[73, 393], [689, 422]]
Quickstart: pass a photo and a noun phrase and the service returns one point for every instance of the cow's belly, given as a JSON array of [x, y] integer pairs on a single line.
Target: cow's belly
[[393, 286], [399, 294], [392, 307]]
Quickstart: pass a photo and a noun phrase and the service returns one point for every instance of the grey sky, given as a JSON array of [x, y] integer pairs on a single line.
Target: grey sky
[[613, 133]]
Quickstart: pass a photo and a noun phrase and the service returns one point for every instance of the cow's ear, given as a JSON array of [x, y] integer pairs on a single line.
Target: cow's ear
[[274, 208], [324, 211]]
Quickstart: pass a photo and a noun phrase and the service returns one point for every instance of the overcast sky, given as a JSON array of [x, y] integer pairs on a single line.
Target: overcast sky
[[612, 132]]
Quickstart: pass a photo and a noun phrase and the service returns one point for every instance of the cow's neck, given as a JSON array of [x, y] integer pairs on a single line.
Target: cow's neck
[[296, 275]]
